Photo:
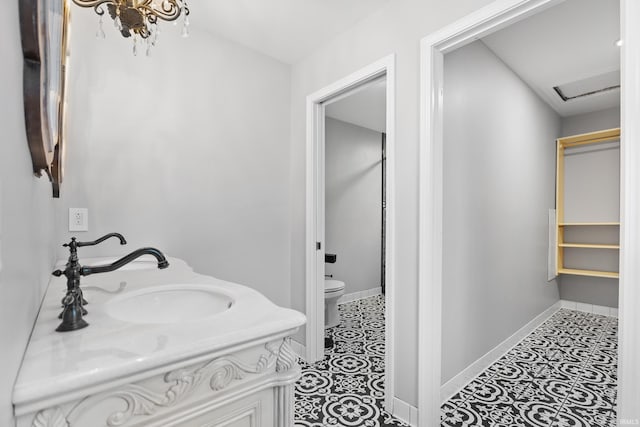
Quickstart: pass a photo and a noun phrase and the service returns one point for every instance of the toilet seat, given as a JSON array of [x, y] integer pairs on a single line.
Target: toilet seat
[[331, 286]]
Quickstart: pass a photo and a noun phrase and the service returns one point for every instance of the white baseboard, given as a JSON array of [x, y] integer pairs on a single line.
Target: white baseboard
[[456, 383], [354, 296], [299, 349], [405, 412], [589, 308]]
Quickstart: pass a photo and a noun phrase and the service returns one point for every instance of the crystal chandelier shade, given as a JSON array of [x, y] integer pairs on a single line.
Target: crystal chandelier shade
[[139, 18]]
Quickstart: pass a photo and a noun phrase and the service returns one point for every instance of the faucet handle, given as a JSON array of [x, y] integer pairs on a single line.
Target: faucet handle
[[72, 244]]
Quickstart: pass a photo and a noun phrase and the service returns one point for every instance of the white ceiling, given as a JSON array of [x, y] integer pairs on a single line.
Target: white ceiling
[[366, 106], [566, 43], [284, 29]]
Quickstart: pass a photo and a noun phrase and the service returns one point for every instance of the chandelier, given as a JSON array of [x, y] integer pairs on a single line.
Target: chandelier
[[139, 18]]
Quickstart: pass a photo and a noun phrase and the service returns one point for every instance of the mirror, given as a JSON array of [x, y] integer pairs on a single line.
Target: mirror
[[44, 26]]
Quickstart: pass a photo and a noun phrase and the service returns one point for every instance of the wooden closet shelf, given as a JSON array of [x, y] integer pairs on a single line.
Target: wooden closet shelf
[[590, 138], [580, 224], [588, 246], [591, 273], [563, 225]]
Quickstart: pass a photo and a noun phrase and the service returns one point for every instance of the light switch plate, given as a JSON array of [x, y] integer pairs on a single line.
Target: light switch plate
[[78, 219]]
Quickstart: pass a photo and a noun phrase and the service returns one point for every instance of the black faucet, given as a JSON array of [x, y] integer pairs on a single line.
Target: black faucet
[[73, 301], [162, 262]]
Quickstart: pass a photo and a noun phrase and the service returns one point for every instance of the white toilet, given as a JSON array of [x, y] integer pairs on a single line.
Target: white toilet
[[333, 289]]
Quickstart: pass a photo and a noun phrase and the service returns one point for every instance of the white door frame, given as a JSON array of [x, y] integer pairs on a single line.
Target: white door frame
[[491, 18], [314, 258]]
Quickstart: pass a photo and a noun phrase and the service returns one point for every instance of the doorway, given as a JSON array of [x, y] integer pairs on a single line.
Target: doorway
[[317, 104], [482, 23], [355, 126]]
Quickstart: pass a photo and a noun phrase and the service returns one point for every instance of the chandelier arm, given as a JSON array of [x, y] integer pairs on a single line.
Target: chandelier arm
[[170, 13], [98, 8], [92, 3]]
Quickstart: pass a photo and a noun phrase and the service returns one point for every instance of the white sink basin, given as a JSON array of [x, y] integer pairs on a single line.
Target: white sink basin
[[169, 304]]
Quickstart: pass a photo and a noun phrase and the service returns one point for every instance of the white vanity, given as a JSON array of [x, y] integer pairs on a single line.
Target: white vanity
[[163, 348]]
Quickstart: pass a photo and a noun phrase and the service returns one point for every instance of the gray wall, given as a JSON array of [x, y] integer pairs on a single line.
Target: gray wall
[[353, 197], [395, 29], [26, 219], [603, 168], [186, 150], [591, 122], [499, 182]]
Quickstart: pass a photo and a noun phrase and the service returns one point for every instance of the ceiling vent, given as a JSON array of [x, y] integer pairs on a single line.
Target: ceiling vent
[[590, 86]]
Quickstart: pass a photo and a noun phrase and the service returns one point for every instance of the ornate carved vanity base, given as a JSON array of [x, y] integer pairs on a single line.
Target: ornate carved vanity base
[[251, 387]]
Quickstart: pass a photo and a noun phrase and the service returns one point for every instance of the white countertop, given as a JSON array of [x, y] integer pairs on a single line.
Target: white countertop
[[58, 363]]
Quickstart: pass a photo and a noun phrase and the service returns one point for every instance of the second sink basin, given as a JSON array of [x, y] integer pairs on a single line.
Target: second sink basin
[[169, 304]]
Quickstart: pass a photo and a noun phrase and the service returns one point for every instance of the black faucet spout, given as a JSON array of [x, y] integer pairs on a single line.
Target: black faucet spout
[[162, 261]]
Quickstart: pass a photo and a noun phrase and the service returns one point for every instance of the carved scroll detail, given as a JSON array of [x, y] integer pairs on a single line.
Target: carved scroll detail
[[51, 417], [181, 383], [286, 357]]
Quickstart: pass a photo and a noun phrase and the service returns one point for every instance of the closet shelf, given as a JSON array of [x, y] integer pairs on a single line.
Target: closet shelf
[[590, 273], [580, 224], [608, 135], [588, 246], [563, 224]]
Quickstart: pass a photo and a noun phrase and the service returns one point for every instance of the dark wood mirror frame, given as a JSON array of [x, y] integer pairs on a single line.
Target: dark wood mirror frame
[[44, 27]]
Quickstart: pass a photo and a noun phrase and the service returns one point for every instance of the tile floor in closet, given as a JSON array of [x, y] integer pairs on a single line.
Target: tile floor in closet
[[563, 374]]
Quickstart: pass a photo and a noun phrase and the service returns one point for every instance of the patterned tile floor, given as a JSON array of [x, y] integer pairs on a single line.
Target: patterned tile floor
[[563, 374], [346, 388]]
